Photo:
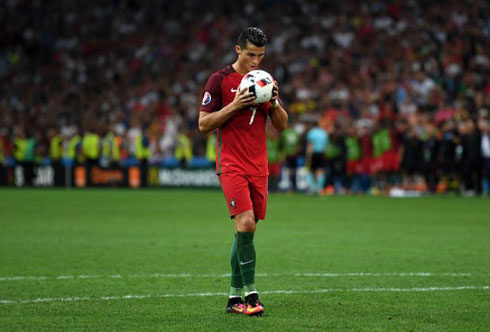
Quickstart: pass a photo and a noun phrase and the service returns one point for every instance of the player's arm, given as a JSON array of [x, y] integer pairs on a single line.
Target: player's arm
[[279, 117], [209, 121]]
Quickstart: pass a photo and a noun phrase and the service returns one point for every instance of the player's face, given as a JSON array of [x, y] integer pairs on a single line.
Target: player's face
[[249, 58]]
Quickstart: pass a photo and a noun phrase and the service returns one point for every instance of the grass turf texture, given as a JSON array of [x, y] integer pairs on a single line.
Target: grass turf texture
[[122, 238]]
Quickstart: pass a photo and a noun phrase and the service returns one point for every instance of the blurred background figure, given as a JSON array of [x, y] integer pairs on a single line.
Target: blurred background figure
[[91, 149], [274, 156], [111, 148], [353, 166], [4, 155], [336, 161], [56, 153], [484, 125], [291, 146], [412, 159], [471, 168], [183, 148], [317, 139], [142, 152]]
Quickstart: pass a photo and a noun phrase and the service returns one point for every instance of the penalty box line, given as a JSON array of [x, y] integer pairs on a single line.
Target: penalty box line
[[226, 275], [280, 291]]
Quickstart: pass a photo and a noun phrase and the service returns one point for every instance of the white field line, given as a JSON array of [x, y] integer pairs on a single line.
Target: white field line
[[226, 275], [279, 291]]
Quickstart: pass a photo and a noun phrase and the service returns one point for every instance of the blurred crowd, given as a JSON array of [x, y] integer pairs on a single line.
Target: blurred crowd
[[119, 80]]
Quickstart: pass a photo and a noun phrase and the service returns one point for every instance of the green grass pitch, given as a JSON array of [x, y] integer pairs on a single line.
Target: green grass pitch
[[124, 260]]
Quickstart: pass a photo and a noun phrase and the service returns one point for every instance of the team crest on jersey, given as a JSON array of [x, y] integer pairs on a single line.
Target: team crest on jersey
[[233, 203], [206, 99]]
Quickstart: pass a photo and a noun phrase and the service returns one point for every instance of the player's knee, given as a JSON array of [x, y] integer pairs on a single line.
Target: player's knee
[[246, 223]]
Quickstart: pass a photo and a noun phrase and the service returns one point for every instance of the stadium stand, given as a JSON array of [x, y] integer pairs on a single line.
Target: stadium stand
[[405, 86]]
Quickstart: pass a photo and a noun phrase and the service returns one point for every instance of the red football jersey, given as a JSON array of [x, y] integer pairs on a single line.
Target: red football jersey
[[241, 144]]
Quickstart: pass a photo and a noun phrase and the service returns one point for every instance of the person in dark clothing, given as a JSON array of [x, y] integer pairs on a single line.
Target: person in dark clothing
[[447, 154], [338, 160], [484, 126], [431, 152], [412, 156], [470, 160]]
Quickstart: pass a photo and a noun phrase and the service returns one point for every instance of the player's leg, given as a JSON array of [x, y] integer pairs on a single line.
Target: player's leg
[[237, 195], [235, 303], [245, 227]]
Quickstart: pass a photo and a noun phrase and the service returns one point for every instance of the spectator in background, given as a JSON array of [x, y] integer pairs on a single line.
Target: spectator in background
[[431, 146], [274, 157], [91, 150], [365, 142], [183, 148], [484, 126], [381, 147], [23, 151], [111, 148], [470, 160], [353, 167], [412, 158], [4, 154], [447, 156], [336, 160], [211, 147], [142, 153], [56, 153], [316, 143], [291, 146], [72, 146], [317, 139], [30, 156]]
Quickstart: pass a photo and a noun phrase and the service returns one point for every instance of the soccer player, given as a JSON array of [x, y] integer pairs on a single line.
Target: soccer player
[[241, 162]]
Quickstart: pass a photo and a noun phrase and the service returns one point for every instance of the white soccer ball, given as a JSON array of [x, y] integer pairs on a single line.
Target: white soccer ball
[[260, 83]]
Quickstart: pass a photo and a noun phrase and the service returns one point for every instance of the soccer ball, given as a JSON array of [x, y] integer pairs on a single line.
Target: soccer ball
[[260, 83]]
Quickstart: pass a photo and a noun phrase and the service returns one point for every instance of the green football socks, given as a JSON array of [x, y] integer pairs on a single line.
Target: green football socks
[[246, 259], [236, 274]]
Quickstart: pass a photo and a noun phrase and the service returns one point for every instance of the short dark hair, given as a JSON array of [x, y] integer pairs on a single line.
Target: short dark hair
[[252, 35]]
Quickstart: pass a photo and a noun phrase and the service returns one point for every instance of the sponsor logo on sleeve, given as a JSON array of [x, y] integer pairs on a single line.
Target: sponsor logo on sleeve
[[206, 99]]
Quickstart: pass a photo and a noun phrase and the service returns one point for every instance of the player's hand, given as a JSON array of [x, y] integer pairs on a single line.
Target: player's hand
[[275, 91], [275, 95], [243, 99]]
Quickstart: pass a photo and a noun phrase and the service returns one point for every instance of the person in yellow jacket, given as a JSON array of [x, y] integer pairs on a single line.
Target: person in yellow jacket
[[24, 154], [111, 148], [55, 145], [55, 154], [20, 146], [142, 152], [211, 148], [91, 151], [183, 148], [72, 148], [90, 146]]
